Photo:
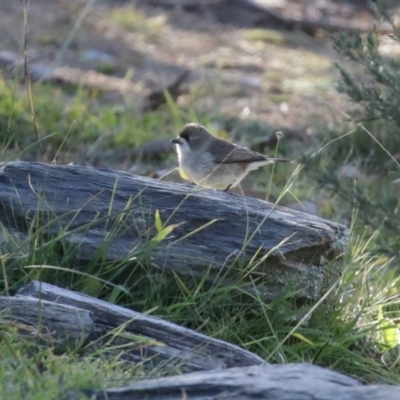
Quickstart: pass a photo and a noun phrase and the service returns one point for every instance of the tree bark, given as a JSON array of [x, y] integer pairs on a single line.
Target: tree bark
[[281, 249], [62, 325], [146, 340], [49, 311], [268, 382]]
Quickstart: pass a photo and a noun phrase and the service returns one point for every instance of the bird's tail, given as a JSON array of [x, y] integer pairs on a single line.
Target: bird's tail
[[281, 160], [258, 164]]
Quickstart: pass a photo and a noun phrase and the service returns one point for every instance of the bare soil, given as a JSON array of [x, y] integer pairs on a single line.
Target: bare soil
[[283, 78]]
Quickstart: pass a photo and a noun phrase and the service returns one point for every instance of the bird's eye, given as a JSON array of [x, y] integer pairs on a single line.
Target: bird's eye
[[185, 135]]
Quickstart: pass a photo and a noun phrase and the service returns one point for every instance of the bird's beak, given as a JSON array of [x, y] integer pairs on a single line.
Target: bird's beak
[[177, 140]]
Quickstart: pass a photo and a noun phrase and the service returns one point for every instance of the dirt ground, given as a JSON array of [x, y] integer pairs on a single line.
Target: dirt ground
[[282, 78]]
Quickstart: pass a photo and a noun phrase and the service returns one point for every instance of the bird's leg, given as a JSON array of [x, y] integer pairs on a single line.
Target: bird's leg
[[225, 190]]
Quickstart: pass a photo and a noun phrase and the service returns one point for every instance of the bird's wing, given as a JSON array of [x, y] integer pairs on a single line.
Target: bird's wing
[[228, 153]]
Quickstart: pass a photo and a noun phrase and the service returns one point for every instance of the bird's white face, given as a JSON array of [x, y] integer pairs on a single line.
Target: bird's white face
[[183, 149]]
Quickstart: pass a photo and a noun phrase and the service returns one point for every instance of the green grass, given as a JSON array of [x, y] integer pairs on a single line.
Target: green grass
[[30, 369], [133, 20], [76, 119]]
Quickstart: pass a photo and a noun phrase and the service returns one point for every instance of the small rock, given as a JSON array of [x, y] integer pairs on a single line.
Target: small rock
[[253, 82], [349, 171], [97, 57]]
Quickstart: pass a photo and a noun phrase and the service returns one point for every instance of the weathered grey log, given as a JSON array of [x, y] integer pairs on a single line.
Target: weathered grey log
[[212, 229], [92, 318], [167, 343], [63, 325], [269, 382]]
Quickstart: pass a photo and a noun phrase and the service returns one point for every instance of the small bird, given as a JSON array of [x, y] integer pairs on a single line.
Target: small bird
[[212, 162]]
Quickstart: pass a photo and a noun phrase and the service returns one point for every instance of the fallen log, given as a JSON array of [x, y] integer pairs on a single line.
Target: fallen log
[[146, 340], [211, 232], [277, 382], [45, 311], [60, 324]]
